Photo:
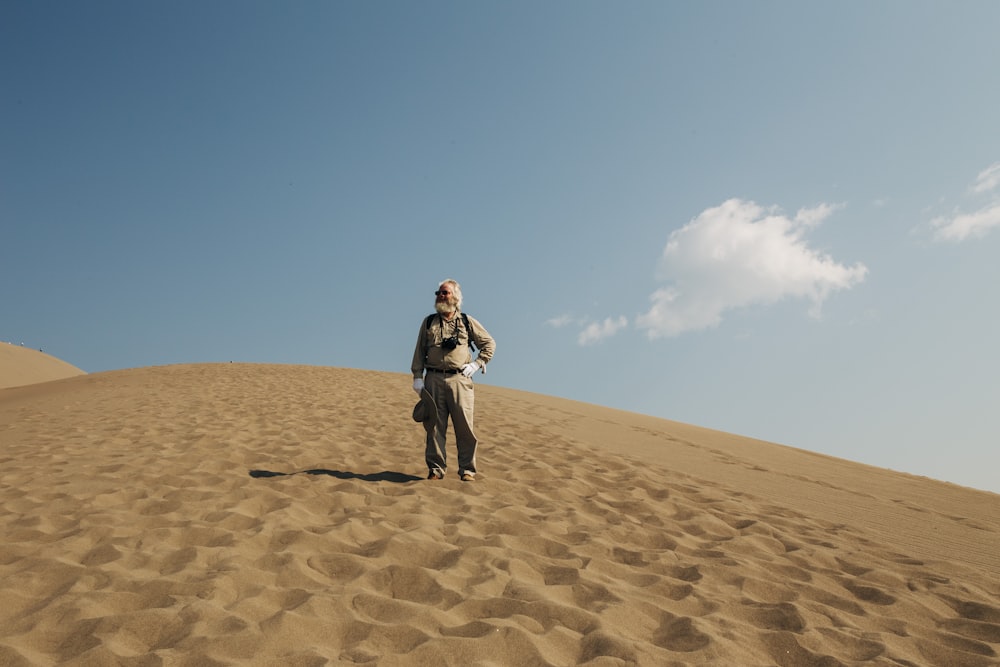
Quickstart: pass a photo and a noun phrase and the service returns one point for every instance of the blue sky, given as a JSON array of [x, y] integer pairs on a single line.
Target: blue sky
[[778, 219]]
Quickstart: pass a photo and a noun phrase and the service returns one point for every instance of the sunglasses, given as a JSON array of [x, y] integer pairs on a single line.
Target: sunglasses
[[441, 292]]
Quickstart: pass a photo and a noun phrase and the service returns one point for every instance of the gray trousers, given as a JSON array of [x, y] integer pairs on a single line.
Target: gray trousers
[[454, 396]]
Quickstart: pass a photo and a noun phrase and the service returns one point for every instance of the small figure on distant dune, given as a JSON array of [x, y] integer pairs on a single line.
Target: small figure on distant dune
[[443, 366]]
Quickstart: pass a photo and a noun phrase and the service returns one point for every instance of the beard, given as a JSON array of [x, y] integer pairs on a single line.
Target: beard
[[445, 307]]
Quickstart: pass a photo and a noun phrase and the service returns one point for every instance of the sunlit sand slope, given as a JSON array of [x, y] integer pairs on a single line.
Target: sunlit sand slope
[[246, 514], [21, 366]]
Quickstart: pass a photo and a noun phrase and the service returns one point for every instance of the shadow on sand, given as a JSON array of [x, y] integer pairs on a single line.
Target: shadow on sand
[[384, 476]]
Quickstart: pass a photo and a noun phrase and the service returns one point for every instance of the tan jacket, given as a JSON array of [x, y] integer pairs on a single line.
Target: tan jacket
[[430, 354]]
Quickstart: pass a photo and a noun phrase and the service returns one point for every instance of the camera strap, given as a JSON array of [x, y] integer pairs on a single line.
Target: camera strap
[[465, 321]]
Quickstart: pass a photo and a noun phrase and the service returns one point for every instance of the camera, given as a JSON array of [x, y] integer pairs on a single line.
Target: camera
[[450, 343]]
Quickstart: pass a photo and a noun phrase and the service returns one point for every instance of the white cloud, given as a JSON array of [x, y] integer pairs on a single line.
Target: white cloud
[[967, 225], [740, 254], [988, 179], [598, 331], [559, 322], [962, 226]]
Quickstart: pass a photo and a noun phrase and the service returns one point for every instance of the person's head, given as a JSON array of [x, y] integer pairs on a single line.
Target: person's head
[[448, 297]]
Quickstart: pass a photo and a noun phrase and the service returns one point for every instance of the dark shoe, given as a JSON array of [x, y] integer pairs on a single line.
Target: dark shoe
[[434, 474]]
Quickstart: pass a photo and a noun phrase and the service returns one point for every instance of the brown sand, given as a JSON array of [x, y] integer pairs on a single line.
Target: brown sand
[[22, 366], [275, 515]]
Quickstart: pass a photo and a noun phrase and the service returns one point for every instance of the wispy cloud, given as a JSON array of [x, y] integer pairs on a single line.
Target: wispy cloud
[[598, 331], [740, 254], [961, 226], [988, 179], [559, 322]]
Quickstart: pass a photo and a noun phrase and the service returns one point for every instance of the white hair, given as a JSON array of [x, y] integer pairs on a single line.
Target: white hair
[[456, 290]]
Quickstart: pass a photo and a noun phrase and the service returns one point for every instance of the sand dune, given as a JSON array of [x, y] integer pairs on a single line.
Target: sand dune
[[235, 514], [23, 366]]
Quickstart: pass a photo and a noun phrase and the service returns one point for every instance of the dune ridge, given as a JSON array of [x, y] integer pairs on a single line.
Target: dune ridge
[[21, 366], [225, 514]]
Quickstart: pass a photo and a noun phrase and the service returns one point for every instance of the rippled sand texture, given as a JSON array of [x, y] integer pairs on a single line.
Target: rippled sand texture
[[276, 515]]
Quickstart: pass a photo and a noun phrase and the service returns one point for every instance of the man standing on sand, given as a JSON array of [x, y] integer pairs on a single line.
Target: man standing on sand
[[444, 352]]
